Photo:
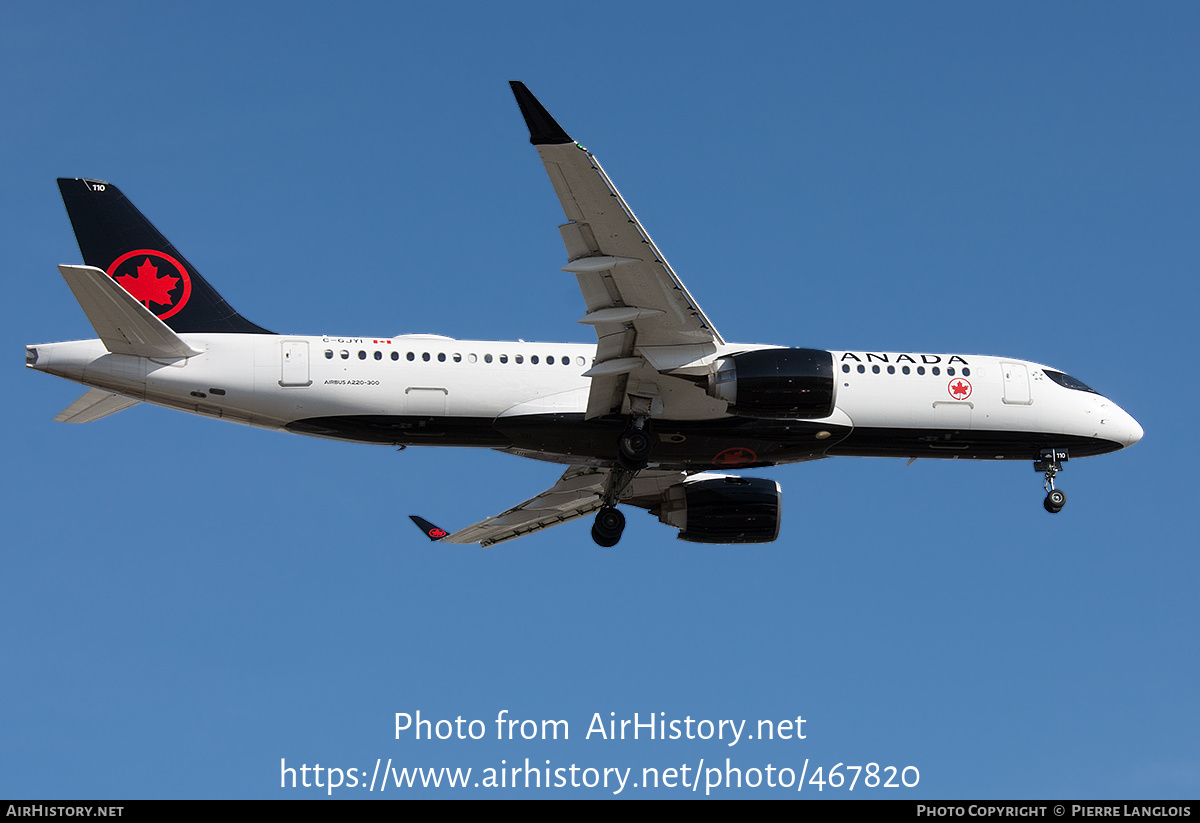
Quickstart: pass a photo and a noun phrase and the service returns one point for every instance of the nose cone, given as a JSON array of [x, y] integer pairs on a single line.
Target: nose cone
[[1119, 426], [1133, 432]]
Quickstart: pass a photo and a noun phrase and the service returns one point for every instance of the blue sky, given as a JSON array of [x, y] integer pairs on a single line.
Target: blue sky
[[188, 602]]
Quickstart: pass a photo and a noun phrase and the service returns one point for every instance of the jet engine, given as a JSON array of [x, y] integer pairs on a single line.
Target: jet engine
[[787, 383], [723, 510]]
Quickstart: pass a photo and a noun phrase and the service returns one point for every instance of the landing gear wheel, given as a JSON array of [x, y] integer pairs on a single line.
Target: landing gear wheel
[[633, 451], [1055, 501], [609, 525]]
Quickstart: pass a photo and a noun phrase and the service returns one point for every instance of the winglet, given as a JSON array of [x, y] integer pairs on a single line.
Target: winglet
[[431, 531], [542, 128]]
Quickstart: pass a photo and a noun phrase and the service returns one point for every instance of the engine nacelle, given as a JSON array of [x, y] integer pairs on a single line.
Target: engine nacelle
[[789, 383], [724, 510]]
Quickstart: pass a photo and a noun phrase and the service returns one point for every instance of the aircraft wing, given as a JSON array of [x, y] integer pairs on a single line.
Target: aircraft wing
[[646, 321], [577, 493]]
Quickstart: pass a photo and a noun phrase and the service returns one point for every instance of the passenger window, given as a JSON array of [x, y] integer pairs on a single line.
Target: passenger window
[[936, 371], [519, 359], [471, 358], [441, 357], [411, 357], [533, 359], [487, 358], [378, 355], [874, 370], [395, 355], [457, 357], [891, 369], [862, 369], [846, 368], [920, 369], [345, 354], [550, 360], [425, 356], [329, 354], [504, 358]]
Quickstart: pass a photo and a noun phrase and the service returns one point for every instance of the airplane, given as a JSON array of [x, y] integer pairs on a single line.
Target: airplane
[[655, 414]]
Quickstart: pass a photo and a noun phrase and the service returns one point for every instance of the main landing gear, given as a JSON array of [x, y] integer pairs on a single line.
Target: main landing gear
[[634, 447], [608, 527], [1050, 463], [606, 531], [633, 455]]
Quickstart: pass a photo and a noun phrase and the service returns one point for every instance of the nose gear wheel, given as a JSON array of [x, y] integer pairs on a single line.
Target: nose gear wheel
[[1055, 500]]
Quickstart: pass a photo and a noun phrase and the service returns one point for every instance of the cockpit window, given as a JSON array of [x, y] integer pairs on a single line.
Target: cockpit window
[[1069, 382]]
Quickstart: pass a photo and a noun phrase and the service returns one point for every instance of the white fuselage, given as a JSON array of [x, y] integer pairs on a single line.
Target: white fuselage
[[274, 381]]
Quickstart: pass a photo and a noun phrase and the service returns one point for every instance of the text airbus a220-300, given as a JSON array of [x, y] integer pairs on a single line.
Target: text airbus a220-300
[[656, 413]]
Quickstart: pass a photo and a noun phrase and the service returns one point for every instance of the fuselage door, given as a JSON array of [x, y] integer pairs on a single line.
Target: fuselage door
[[295, 363], [426, 401], [1016, 384]]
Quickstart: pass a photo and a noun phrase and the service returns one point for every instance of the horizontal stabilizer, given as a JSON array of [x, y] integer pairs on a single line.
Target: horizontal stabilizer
[[123, 324], [94, 404]]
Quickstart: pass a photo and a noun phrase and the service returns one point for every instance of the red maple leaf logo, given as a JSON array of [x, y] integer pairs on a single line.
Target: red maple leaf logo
[[960, 389], [734, 456], [147, 286]]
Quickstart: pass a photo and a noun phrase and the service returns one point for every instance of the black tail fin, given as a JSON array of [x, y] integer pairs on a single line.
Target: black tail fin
[[115, 237]]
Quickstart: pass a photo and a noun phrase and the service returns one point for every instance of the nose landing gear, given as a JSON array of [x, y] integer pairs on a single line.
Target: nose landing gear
[[1055, 500], [1050, 464]]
